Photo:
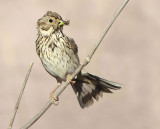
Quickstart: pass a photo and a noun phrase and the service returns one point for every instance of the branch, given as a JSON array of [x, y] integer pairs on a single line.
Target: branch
[[85, 62], [20, 96]]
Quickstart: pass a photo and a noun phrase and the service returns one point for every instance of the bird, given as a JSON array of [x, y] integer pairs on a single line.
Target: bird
[[59, 56]]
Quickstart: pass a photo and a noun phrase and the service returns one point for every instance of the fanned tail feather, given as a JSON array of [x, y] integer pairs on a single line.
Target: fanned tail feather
[[88, 87]]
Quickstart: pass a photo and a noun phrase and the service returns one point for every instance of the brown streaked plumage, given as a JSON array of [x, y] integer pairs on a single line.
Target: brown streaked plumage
[[59, 56]]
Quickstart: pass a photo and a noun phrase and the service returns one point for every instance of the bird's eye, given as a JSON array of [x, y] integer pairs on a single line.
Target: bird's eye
[[50, 20]]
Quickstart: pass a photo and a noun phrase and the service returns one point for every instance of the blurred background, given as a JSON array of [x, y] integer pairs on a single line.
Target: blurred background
[[129, 54]]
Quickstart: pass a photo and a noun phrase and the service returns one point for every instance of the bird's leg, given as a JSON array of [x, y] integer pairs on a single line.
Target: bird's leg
[[54, 100], [69, 80]]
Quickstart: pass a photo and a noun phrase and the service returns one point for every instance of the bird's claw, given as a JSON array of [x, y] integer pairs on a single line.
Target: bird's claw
[[69, 80], [52, 98]]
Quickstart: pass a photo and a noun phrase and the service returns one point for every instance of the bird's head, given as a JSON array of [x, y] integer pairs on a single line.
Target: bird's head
[[50, 23]]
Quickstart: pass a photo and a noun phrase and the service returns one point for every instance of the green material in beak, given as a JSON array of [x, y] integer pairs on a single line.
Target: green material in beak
[[61, 23]]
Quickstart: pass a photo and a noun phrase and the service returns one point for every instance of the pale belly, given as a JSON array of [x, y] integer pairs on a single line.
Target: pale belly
[[59, 63]]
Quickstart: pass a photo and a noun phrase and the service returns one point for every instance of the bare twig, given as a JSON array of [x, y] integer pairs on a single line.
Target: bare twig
[[20, 96], [85, 62]]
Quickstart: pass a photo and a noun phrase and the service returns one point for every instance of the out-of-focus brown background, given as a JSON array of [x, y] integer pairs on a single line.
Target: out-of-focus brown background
[[129, 54]]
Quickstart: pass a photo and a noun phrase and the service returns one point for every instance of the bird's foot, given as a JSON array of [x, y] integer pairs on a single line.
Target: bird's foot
[[52, 98], [69, 80]]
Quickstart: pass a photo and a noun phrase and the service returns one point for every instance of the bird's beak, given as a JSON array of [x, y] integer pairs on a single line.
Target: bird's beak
[[63, 23]]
